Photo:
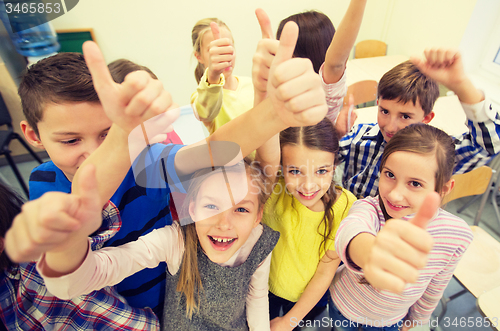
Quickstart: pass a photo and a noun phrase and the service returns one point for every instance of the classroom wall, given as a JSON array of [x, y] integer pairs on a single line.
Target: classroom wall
[[157, 33]]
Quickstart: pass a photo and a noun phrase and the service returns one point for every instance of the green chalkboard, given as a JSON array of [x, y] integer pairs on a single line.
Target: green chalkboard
[[72, 40]]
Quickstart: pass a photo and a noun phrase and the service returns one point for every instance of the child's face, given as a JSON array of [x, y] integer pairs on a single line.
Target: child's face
[[308, 174], [70, 132], [405, 181], [205, 49], [223, 227], [393, 116]]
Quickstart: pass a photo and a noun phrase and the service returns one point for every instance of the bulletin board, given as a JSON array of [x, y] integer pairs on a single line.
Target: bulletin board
[[71, 40]]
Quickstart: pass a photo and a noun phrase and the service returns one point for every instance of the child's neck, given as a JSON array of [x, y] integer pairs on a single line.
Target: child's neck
[[231, 83]]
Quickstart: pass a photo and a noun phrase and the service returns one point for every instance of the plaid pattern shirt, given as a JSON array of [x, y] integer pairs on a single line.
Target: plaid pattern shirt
[[26, 304], [361, 149]]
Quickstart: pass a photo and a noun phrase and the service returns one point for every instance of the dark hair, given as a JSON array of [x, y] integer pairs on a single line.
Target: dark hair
[[315, 35], [405, 83], [63, 77], [122, 67], [322, 136], [421, 138], [10, 206], [189, 283]]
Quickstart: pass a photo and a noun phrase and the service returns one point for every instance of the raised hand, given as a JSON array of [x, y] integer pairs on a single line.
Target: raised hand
[[346, 118], [293, 86], [221, 55], [401, 248], [55, 221], [263, 57], [129, 104]]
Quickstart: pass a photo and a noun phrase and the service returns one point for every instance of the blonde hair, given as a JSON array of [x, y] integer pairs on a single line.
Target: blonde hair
[[200, 28], [190, 283]]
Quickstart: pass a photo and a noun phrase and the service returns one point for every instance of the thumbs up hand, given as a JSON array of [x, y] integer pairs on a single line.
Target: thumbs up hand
[[129, 104], [293, 86], [221, 55], [400, 249]]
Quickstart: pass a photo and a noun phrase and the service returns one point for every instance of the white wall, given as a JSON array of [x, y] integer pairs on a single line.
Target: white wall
[[157, 33]]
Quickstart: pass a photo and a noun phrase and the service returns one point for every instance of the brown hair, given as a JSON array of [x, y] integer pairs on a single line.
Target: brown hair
[[315, 35], [200, 28], [322, 136], [190, 284], [122, 67], [421, 138], [63, 77], [10, 206], [405, 83]]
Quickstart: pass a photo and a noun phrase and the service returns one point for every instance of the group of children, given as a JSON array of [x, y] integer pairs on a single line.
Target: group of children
[[259, 240]]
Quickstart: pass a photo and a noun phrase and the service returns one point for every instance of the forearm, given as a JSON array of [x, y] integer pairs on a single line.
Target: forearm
[[268, 156], [314, 291], [466, 91], [207, 101], [343, 41], [63, 262], [359, 249], [249, 131], [112, 162], [258, 299]]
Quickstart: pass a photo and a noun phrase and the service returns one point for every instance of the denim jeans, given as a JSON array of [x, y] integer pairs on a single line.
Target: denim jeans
[[344, 324]]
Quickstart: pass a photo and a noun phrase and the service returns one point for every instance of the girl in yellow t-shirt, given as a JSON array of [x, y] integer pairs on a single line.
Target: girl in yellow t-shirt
[[306, 208], [220, 96]]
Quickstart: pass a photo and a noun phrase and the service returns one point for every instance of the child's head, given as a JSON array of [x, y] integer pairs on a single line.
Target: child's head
[[225, 206], [10, 206], [315, 35], [405, 96], [120, 68], [202, 36], [419, 159], [62, 109], [308, 158]]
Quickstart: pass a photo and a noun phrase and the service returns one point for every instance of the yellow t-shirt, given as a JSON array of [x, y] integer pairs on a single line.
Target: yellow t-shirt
[[296, 256], [208, 99]]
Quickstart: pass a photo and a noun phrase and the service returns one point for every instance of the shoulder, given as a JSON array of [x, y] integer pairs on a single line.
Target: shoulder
[[345, 199], [448, 228]]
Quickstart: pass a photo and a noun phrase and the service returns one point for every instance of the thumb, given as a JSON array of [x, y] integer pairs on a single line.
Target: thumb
[[215, 30], [88, 189], [265, 24], [101, 76], [288, 40], [427, 211]]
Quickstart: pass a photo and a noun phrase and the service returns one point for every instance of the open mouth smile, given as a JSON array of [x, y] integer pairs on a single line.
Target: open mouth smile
[[220, 243], [308, 196], [395, 207]]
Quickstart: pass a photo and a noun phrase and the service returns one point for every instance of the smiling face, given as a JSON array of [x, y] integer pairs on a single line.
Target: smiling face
[[393, 116], [308, 174], [70, 132], [405, 180], [224, 222]]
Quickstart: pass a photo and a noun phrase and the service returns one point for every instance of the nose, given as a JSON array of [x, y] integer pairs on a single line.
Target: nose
[[89, 147], [224, 220], [308, 184], [392, 126], [396, 194]]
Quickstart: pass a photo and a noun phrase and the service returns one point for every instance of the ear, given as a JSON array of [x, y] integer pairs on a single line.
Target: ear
[[428, 117], [258, 218], [448, 187], [198, 57], [30, 135], [191, 210]]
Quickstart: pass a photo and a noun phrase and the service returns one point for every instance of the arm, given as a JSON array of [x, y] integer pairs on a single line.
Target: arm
[[343, 41], [257, 298], [312, 294], [393, 257]]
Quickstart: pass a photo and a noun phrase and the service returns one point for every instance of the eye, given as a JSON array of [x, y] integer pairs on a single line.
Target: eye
[[242, 210], [294, 172], [406, 117], [104, 135], [389, 174], [322, 171], [414, 183], [70, 142], [210, 206], [384, 111]]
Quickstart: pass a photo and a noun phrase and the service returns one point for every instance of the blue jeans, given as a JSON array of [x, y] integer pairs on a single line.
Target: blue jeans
[[344, 324]]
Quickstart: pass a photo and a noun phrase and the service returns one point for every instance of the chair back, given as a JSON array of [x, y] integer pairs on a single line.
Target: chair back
[[362, 91], [473, 182], [370, 48], [5, 118]]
